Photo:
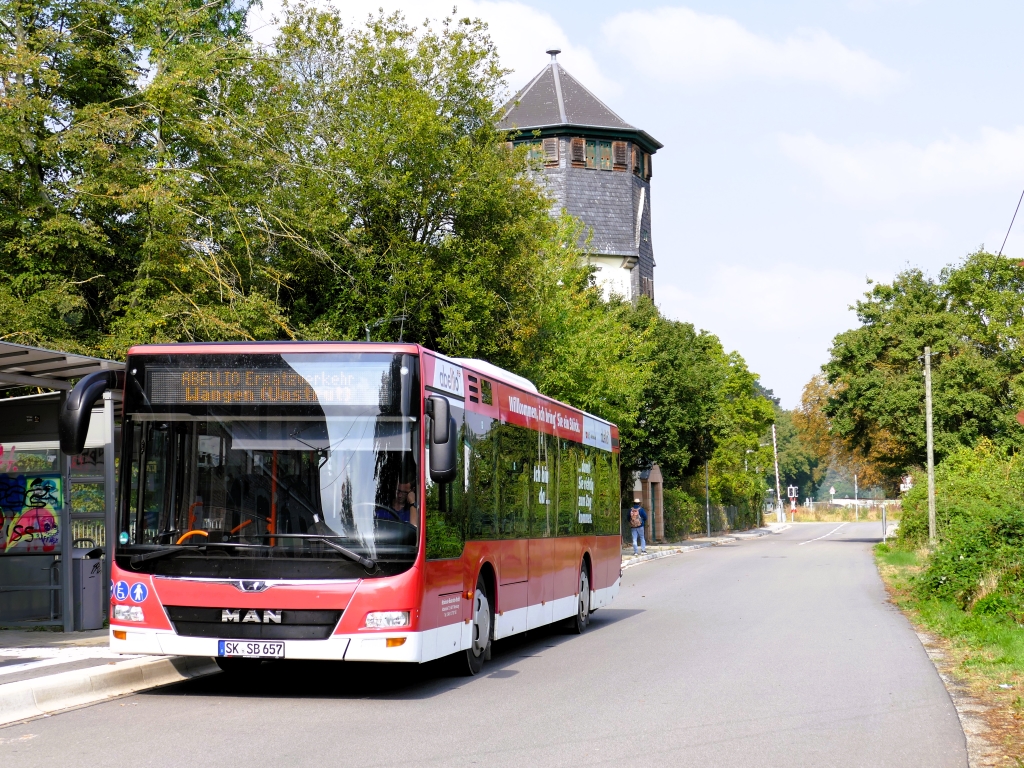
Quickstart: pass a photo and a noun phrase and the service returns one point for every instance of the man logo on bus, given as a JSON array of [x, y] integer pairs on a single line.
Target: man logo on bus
[[234, 616]]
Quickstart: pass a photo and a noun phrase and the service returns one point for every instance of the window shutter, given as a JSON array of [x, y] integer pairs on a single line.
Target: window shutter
[[551, 151], [591, 154], [637, 159], [578, 152], [619, 155], [647, 166]]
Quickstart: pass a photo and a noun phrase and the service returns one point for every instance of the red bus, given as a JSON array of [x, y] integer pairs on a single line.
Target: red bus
[[356, 501]]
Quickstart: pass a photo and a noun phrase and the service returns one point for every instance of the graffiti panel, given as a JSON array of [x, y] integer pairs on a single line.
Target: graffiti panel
[[30, 507]]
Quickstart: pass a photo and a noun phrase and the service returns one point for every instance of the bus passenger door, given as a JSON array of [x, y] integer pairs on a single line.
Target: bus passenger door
[[542, 530], [514, 558]]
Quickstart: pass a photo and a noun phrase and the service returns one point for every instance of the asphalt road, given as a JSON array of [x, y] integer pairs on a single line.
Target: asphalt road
[[779, 651]]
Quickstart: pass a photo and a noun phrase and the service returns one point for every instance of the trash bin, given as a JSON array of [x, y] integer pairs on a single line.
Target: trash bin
[[87, 573]]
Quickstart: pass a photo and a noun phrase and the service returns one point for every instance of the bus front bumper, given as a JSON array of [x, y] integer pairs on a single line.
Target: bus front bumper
[[365, 647]]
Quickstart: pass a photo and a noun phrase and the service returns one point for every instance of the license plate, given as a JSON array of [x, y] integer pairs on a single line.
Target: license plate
[[250, 649]]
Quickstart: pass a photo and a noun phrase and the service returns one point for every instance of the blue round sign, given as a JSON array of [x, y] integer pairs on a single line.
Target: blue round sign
[[121, 590], [138, 592]]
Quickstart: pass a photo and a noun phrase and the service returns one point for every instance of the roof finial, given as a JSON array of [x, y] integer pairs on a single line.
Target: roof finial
[[554, 53]]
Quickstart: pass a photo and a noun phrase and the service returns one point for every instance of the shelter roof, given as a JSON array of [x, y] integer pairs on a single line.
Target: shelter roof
[[24, 366]]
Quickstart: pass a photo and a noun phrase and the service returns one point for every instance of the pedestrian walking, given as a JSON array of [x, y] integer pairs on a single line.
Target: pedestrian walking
[[637, 521]]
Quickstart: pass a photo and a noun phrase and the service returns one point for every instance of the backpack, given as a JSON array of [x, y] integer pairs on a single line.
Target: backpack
[[634, 518]]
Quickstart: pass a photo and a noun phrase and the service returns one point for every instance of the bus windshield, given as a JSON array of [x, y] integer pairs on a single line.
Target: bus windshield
[[270, 466]]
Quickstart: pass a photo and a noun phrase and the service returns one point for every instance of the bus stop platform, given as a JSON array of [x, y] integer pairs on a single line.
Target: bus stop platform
[[45, 672]]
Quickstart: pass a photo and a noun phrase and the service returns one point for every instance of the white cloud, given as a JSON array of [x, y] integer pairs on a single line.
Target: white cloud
[[522, 34], [684, 46], [884, 172], [782, 319], [904, 233]]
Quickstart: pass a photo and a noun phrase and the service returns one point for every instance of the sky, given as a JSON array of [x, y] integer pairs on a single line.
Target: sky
[[810, 147]]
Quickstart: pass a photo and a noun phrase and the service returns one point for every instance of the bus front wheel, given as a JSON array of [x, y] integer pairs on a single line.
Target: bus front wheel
[[483, 618]]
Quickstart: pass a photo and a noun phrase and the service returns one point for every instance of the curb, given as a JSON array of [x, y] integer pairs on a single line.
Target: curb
[[676, 551], [703, 545], [27, 699]]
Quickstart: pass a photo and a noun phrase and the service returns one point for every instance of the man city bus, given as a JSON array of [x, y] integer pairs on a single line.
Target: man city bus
[[355, 501]]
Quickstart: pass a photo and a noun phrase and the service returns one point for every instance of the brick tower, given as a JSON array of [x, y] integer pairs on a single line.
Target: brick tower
[[597, 167]]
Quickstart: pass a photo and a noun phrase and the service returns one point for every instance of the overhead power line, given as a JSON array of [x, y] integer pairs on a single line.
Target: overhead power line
[[1011, 225]]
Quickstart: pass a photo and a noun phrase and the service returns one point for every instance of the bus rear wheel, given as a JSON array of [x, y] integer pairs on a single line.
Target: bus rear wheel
[[483, 618], [582, 617]]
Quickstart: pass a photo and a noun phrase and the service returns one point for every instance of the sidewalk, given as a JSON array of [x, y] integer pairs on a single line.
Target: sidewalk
[[44, 672], [657, 551]]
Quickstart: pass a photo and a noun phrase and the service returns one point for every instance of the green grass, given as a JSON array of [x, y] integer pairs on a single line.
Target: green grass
[[986, 646], [895, 557]]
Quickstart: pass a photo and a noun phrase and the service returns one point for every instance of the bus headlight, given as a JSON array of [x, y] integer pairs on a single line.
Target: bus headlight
[[128, 613], [387, 619]]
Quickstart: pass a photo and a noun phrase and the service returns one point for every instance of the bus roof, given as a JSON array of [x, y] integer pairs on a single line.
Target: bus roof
[[283, 347]]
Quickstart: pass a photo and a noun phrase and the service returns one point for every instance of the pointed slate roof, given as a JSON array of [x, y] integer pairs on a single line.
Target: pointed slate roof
[[554, 102]]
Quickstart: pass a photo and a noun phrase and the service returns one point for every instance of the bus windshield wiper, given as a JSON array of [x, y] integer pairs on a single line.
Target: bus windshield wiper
[[153, 555], [326, 539]]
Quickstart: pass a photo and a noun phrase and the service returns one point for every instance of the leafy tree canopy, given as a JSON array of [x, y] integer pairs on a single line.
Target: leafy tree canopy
[[165, 179], [972, 317]]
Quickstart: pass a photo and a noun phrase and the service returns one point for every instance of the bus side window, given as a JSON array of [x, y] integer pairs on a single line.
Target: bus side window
[[482, 492], [585, 486], [568, 461], [606, 494], [514, 480], [446, 503], [544, 482]]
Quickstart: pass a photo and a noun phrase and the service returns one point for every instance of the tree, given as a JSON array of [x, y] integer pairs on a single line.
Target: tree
[[971, 318], [118, 208], [62, 65], [393, 195], [683, 398], [798, 461], [738, 477]]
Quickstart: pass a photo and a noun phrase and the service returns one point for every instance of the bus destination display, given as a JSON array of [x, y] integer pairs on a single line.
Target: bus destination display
[[266, 386]]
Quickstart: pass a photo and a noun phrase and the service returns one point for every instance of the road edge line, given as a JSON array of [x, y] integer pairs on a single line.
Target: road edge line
[[29, 699]]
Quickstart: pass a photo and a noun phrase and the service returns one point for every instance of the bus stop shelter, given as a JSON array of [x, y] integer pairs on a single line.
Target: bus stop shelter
[[54, 509]]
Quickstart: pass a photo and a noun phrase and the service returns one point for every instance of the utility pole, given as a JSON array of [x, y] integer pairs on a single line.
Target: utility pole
[[707, 496], [856, 506], [931, 442], [780, 513]]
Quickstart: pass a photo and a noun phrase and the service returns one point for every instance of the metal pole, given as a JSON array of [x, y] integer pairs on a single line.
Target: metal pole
[[67, 573], [780, 515], [931, 442], [109, 488], [885, 524], [856, 505], [707, 496]]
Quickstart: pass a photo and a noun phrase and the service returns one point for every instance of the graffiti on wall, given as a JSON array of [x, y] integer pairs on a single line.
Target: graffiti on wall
[[30, 506]]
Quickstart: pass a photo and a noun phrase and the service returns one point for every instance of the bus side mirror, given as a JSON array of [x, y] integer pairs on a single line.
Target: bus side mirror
[[442, 441], [76, 413]]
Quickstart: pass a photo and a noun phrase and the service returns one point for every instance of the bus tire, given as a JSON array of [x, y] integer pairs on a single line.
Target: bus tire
[[482, 623], [579, 622]]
